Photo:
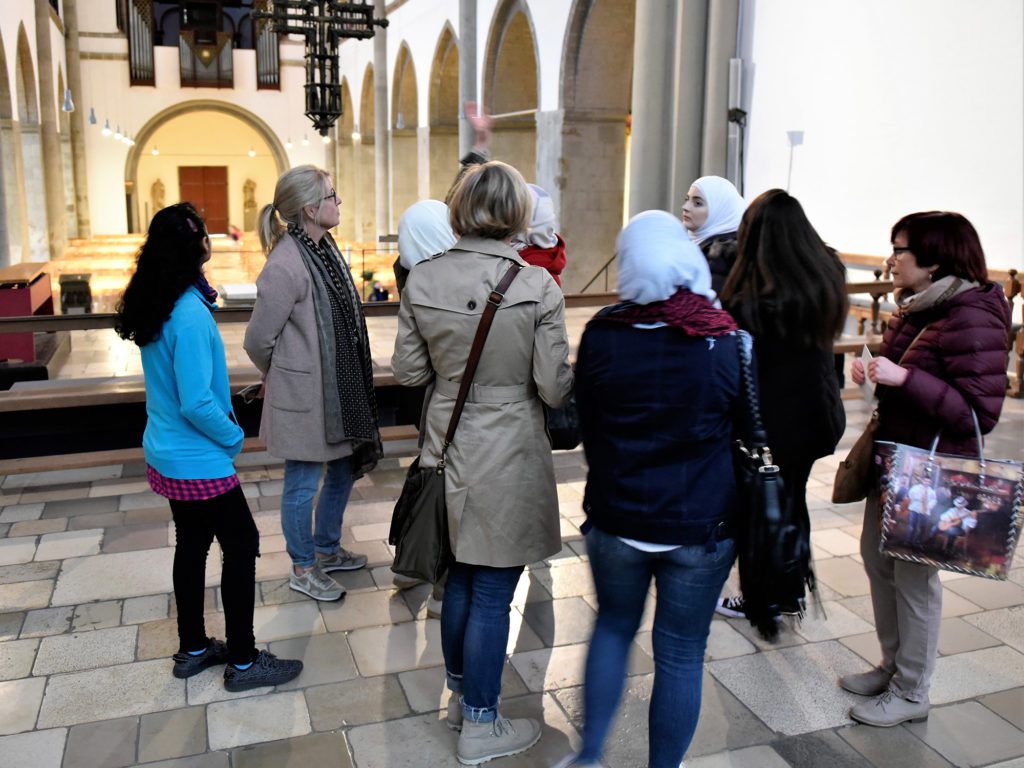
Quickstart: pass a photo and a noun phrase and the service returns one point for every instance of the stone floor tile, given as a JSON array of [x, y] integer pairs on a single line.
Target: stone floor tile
[[256, 719], [837, 621], [128, 538], [39, 527], [208, 686], [177, 733], [62, 476], [1007, 704], [1005, 624], [97, 615], [866, 646], [128, 689], [427, 691], [79, 506], [845, 575], [117, 487], [16, 513], [356, 702], [823, 519], [303, 752], [144, 500], [137, 610], [209, 760], [751, 757], [370, 531], [60, 546], [84, 579], [85, 650], [272, 565], [108, 744], [813, 750], [407, 743], [10, 625], [16, 658], [803, 677], [48, 493], [34, 749], [560, 622], [277, 591], [988, 593], [159, 639], [19, 704], [976, 673], [34, 571], [16, 550], [104, 520], [47, 621], [891, 747], [25, 595], [147, 515], [277, 622], [968, 734], [551, 668], [787, 634], [383, 650], [1015, 763], [955, 605], [724, 642], [365, 609], [325, 659], [958, 636], [835, 541]]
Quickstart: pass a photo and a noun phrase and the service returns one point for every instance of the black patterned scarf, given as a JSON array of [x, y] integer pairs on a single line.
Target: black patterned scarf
[[350, 403]]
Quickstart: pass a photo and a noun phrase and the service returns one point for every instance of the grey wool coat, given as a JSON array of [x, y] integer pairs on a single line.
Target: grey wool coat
[[282, 341], [499, 481]]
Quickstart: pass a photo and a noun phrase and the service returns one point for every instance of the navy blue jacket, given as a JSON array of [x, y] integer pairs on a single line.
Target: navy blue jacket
[[656, 411]]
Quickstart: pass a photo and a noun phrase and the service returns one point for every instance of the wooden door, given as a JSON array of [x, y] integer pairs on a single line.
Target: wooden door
[[206, 187]]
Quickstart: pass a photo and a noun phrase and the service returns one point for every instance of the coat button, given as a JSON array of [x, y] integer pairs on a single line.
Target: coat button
[[471, 304]]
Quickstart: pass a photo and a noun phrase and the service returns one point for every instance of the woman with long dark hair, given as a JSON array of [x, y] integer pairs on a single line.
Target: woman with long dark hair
[[190, 442], [788, 289], [956, 365]]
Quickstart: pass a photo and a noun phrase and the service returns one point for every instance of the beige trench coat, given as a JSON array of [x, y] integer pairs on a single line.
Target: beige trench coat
[[282, 341], [499, 482]]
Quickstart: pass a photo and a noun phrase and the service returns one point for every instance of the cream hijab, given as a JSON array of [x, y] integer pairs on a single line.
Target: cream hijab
[[423, 231]]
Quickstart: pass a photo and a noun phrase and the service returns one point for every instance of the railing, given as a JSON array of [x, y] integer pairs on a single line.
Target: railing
[[602, 271]]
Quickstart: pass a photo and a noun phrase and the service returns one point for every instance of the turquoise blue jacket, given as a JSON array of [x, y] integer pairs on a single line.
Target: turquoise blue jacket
[[192, 432]]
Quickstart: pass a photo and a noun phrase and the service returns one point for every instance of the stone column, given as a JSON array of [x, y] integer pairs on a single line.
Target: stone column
[[53, 178], [381, 137], [723, 20], [78, 165], [467, 71], [5, 249]]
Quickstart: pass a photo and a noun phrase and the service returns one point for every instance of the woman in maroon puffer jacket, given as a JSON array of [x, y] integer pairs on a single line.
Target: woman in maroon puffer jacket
[[957, 364]]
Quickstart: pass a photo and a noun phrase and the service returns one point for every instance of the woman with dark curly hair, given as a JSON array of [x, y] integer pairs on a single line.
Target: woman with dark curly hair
[[190, 441]]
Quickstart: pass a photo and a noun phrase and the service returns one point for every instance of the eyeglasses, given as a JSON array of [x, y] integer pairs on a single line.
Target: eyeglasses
[[333, 196], [897, 251]]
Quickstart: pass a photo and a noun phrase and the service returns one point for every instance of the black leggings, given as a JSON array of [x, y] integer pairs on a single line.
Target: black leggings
[[196, 523]]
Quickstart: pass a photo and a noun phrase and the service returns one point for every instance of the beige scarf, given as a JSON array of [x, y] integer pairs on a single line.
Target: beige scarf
[[935, 294]]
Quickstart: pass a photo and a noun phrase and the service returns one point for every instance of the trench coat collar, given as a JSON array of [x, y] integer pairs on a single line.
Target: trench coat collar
[[488, 246]]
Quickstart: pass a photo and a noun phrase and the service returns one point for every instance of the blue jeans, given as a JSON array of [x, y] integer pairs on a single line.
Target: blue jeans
[[689, 580], [474, 634], [301, 480]]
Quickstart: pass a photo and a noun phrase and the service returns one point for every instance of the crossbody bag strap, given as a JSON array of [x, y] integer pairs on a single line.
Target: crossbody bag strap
[[758, 437], [474, 351], [874, 413]]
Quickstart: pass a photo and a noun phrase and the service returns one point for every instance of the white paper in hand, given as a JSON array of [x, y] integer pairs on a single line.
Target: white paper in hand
[[868, 387]]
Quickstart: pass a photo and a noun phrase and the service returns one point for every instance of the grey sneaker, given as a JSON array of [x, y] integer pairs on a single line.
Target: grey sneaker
[[454, 720], [265, 670], [870, 683], [889, 710], [342, 560], [316, 584], [480, 742]]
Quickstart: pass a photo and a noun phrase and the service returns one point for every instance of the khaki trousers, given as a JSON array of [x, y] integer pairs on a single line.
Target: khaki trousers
[[907, 600]]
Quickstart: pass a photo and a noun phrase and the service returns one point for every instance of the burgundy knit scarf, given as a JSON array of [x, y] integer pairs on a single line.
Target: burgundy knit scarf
[[691, 313]]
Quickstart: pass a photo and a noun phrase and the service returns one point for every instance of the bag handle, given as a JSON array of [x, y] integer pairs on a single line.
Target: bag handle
[[758, 437], [496, 297], [977, 432]]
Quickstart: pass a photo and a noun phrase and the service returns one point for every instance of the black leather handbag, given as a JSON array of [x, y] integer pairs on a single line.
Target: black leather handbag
[[773, 547], [564, 425], [419, 524]]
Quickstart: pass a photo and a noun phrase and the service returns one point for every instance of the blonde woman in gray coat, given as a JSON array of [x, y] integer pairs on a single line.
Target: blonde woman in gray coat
[[500, 482], [307, 335]]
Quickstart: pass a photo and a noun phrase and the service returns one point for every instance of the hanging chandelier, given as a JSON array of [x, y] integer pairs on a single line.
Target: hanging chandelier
[[323, 24]]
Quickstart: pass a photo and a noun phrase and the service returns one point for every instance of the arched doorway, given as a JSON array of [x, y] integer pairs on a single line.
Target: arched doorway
[[12, 213], [404, 149], [595, 98], [245, 154], [366, 223], [510, 86], [344, 175], [444, 114], [36, 247]]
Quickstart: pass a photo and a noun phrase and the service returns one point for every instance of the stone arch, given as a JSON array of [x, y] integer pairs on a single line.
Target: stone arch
[[511, 85], [404, 139], [145, 133], [11, 209], [36, 245], [596, 91], [444, 113], [366, 174], [25, 81], [344, 179]]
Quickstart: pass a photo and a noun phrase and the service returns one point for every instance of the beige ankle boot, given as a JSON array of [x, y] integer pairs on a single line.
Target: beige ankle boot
[[480, 742]]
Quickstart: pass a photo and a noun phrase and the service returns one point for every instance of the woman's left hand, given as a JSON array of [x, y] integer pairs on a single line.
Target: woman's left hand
[[882, 370]]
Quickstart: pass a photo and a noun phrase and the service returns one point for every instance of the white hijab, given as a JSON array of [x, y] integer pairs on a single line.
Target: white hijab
[[656, 259], [423, 231], [725, 208]]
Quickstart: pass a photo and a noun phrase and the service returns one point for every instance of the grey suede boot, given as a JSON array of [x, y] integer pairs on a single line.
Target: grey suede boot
[[480, 742]]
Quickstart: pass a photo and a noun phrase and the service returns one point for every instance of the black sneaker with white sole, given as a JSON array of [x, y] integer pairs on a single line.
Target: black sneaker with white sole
[[266, 669], [731, 607]]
